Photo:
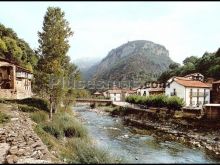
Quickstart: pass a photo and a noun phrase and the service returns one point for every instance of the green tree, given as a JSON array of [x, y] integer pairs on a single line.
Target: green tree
[[3, 48], [14, 52], [174, 65], [53, 48], [191, 59]]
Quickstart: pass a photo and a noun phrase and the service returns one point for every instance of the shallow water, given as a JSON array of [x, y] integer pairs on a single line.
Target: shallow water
[[120, 141]]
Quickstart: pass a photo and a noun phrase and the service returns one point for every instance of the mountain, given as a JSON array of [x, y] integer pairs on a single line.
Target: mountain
[[140, 59], [87, 66]]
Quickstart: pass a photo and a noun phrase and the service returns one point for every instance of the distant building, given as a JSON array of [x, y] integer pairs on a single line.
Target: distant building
[[96, 94], [118, 94], [195, 76], [194, 92], [114, 94], [15, 81], [144, 91]]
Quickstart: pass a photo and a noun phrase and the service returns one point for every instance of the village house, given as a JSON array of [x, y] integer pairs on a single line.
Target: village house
[[195, 93], [15, 81], [144, 91], [195, 76], [118, 94], [97, 94]]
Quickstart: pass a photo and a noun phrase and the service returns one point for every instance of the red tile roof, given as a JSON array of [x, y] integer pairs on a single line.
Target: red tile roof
[[190, 83]]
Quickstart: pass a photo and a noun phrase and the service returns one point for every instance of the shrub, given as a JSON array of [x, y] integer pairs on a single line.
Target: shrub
[[39, 103], [25, 108], [70, 126], [4, 117], [161, 100], [53, 129], [175, 103], [65, 125], [39, 116]]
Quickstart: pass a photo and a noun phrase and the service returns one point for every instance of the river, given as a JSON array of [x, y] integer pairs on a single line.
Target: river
[[120, 140]]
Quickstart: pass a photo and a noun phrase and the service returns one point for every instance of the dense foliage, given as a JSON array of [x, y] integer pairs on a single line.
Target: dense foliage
[[16, 49], [161, 100], [208, 65]]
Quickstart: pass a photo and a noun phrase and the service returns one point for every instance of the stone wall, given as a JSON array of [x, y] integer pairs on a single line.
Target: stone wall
[[19, 143], [8, 94]]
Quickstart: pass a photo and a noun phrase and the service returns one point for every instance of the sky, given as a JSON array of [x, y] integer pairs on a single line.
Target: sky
[[184, 28]]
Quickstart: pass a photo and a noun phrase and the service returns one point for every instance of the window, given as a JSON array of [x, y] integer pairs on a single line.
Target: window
[[114, 94], [144, 94], [173, 93]]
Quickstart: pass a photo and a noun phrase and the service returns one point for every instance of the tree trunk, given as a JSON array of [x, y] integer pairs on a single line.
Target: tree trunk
[[55, 108], [51, 110]]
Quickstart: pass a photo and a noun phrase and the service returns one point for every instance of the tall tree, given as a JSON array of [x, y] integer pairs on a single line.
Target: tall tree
[[53, 48]]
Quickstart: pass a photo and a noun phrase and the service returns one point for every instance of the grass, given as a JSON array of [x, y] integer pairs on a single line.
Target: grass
[[26, 108], [87, 154], [77, 148], [65, 125], [39, 116], [4, 118]]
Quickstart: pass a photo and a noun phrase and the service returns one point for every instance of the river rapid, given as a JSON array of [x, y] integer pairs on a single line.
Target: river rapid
[[121, 141]]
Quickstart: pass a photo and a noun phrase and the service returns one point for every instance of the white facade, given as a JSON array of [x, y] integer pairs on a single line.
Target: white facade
[[115, 96], [143, 91], [200, 95]]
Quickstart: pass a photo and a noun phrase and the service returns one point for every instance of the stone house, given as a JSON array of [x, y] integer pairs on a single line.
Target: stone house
[[194, 92], [15, 81]]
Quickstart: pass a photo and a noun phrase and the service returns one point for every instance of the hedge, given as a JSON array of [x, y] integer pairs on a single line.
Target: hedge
[[160, 100]]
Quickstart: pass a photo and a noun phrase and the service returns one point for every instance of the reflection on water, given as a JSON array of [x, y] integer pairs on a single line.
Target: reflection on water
[[120, 141]]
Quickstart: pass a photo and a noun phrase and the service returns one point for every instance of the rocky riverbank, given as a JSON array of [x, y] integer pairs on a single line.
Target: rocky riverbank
[[18, 141], [164, 127]]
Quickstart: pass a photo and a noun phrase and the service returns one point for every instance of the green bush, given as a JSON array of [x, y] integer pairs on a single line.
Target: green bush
[[160, 100], [4, 117], [175, 103], [39, 103], [53, 129], [39, 116], [26, 108], [65, 125]]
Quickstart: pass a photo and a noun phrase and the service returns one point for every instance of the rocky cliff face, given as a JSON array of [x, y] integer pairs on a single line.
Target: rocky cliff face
[[136, 59]]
